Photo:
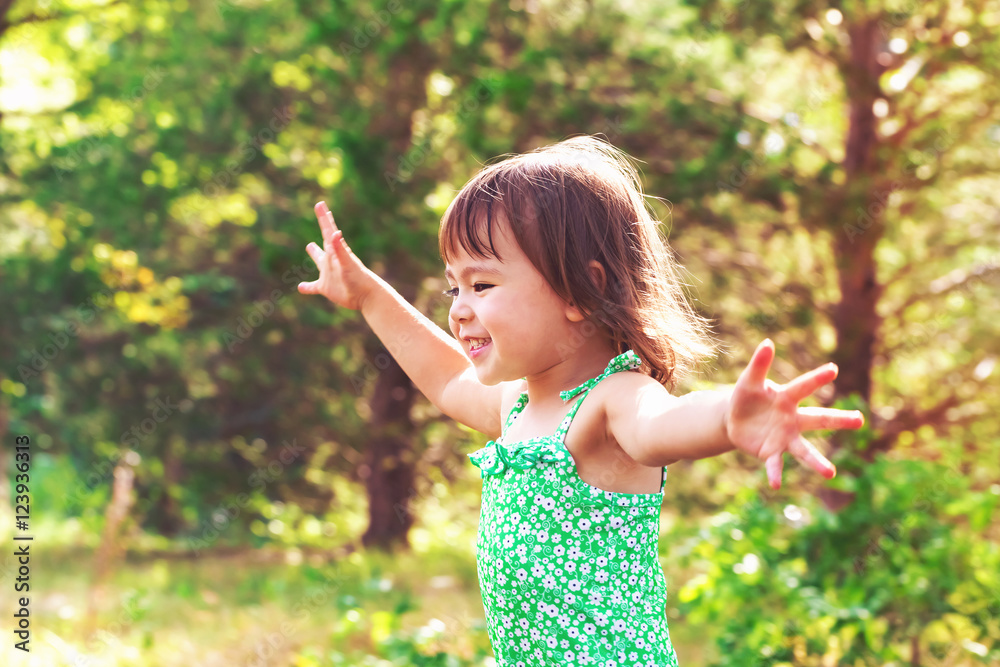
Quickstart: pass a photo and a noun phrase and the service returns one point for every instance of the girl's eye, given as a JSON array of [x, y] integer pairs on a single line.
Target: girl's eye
[[453, 292]]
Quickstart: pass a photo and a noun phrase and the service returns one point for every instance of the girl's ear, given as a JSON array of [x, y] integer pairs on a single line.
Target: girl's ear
[[600, 279]]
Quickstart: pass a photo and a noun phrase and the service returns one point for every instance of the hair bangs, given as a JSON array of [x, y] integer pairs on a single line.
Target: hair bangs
[[469, 221]]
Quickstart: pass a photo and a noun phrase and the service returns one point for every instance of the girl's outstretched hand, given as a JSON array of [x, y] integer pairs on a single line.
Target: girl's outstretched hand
[[764, 418], [343, 279]]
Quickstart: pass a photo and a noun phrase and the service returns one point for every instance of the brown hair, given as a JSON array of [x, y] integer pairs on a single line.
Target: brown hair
[[577, 201]]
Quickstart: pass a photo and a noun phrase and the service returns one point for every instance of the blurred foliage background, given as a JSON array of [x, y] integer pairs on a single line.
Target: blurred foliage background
[[226, 472]]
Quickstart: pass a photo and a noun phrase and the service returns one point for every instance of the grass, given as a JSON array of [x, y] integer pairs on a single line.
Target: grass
[[265, 608]]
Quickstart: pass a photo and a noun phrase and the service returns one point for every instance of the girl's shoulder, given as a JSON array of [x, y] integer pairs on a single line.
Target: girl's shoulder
[[625, 396]]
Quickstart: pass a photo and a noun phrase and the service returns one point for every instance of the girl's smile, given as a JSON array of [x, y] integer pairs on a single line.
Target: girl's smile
[[512, 324]]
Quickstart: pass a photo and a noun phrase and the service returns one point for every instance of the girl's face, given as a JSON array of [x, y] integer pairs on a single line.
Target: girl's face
[[508, 305]]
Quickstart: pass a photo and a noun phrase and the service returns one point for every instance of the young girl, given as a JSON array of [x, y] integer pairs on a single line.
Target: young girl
[[562, 290]]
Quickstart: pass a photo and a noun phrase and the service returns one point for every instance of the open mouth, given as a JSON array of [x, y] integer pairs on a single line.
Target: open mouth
[[478, 346]]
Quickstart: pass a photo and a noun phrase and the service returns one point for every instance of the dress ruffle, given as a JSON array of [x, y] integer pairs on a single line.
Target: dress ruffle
[[494, 459]]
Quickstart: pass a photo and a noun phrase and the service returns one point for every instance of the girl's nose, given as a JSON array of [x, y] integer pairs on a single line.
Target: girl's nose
[[460, 310]]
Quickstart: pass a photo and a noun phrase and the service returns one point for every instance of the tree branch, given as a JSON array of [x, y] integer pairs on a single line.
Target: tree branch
[[5, 6]]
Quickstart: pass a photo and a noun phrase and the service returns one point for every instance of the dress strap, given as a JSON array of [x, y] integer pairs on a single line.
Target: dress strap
[[522, 401], [627, 361]]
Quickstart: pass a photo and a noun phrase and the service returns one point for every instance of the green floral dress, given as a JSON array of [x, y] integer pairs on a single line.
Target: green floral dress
[[570, 574]]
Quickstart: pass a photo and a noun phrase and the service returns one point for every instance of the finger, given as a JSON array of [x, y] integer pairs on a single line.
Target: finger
[[309, 288], [774, 465], [807, 453], [807, 383], [327, 225], [316, 253], [760, 363], [814, 419]]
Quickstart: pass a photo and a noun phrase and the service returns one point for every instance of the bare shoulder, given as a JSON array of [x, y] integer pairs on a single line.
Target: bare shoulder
[[625, 400], [624, 393]]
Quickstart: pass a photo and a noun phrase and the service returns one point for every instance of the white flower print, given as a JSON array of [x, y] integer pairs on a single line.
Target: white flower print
[[549, 557]]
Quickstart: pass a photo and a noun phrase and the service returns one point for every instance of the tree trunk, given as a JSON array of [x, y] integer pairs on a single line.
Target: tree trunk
[[857, 233], [389, 458], [855, 318]]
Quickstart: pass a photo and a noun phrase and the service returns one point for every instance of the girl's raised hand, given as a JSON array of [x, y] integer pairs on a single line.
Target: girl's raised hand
[[343, 279], [764, 418]]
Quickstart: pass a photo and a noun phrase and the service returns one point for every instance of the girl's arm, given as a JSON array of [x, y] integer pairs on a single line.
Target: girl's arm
[[433, 360], [757, 416]]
